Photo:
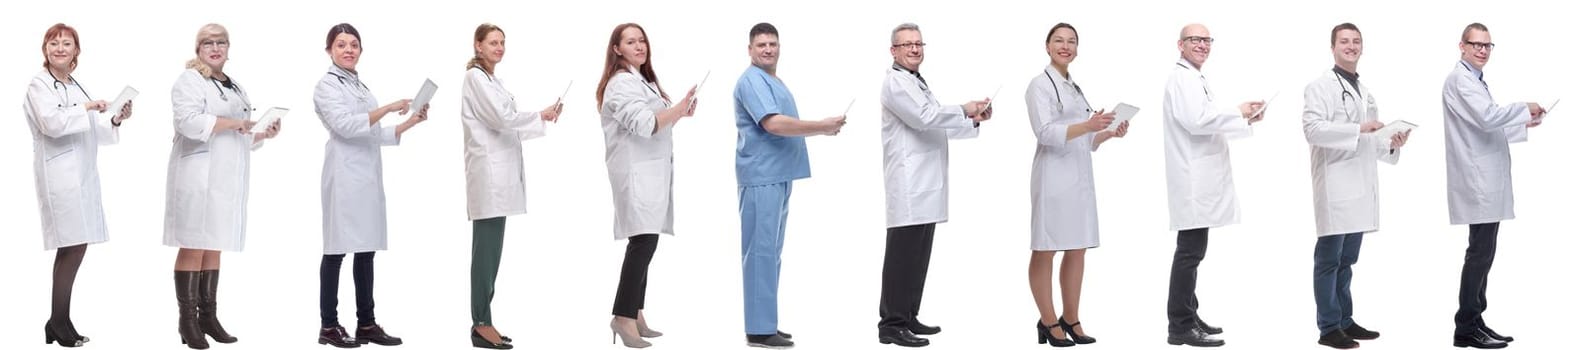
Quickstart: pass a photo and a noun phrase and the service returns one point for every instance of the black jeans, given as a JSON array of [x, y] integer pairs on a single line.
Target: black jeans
[[1191, 245], [1481, 239], [906, 254], [632, 291], [329, 287]]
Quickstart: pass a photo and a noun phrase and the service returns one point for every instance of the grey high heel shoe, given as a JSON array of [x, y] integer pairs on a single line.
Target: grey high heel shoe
[[630, 340]]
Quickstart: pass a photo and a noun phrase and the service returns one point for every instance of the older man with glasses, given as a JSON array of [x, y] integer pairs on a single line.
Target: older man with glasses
[[1197, 174]]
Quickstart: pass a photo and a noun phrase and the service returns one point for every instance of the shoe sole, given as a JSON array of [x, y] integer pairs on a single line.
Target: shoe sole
[[1339, 346], [883, 341], [1466, 345], [1178, 342], [767, 346]]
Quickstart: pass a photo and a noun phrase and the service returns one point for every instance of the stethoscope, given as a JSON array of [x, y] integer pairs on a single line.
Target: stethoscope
[[246, 106], [648, 85], [1345, 95], [921, 84], [1061, 104], [363, 93], [61, 88]]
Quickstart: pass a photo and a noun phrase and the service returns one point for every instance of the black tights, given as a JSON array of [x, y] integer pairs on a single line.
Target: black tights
[[67, 260]]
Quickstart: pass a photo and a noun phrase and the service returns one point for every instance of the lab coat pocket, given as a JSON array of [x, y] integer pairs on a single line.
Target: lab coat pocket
[[1210, 178], [63, 173], [927, 171], [650, 184], [1489, 173], [1343, 181], [1059, 176]]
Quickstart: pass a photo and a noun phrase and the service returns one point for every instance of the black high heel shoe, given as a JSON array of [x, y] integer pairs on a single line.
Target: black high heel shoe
[[479, 342], [1069, 328], [1045, 337], [65, 340]]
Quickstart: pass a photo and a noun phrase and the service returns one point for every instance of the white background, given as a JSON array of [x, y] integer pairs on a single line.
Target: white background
[[559, 274]]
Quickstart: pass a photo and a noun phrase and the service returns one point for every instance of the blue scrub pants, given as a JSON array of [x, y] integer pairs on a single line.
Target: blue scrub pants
[[763, 210]]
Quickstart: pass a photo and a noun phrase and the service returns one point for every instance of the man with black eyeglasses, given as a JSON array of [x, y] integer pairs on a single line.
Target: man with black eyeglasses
[[1197, 173], [916, 131], [1478, 134]]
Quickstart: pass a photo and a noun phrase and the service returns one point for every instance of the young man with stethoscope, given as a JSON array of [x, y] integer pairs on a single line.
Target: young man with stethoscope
[[1340, 121]]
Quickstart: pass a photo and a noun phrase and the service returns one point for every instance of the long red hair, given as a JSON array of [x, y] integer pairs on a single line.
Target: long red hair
[[614, 64]]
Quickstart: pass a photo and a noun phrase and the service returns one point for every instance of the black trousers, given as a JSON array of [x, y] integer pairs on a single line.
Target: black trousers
[[906, 253], [633, 288], [1181, 307], [329, 288], [1481, 239]]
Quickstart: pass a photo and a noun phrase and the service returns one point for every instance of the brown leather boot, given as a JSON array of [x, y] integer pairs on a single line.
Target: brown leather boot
[[207, 320], [187, 305]]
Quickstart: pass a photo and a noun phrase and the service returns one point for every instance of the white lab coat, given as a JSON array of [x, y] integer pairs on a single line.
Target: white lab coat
[[66, 139], [493, 131], [1478, 134], [1344, 160], [1065, 207], [1197, 152], [206, 183], [352, 188], [640, 162], [916, 131]]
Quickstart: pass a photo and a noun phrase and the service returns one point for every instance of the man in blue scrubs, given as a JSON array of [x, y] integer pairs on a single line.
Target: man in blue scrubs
[[770, 154]]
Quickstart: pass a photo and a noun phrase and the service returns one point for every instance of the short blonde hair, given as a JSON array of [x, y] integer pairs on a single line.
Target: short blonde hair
[[207, 31]]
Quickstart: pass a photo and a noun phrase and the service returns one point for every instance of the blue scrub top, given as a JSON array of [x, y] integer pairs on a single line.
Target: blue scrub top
[[763, 158]]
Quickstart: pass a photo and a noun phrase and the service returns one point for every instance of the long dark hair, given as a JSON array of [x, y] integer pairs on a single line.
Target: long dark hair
[[612, 63]]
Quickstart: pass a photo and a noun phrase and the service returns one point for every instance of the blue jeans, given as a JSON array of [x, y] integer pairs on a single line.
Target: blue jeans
[[1333, 256], [763, 210]]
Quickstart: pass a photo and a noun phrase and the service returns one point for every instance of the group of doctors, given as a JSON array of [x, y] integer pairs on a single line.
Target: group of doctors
[[209, 165]]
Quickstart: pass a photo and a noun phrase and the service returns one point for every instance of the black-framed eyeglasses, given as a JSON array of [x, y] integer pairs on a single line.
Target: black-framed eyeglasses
[[916, 45], [1476, 45], [1202, 40]]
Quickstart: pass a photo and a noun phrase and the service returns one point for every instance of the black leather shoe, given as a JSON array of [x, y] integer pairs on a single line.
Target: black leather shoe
[[1194, 337], [1070, 329], [1337, 339], [783, 334], [66, 340], [772, 341], [1478, 339], [376, 334], [1209, 329], [900, 336], [1483, 327], [1357, 332], [478, 341], [918, 328], [337, 337], [1045, 336]]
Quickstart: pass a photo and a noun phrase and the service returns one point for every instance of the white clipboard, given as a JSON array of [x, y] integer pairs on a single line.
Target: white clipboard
[[1123, 112], [270, 116], [424, 95], [1266, 104], [1395, 127], [127, 94], [699, 90]]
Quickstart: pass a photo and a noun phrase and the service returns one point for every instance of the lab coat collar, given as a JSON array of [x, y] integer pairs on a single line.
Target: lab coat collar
[[1475, 71], [1055, 76], [899, 67], [1184, 63], [346, 77]]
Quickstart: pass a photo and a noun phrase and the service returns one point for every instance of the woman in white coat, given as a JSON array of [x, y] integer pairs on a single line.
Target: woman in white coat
[[353, 185], [494, 130], [206, 192], [68, 127], [637, 116], [1065, 208]]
